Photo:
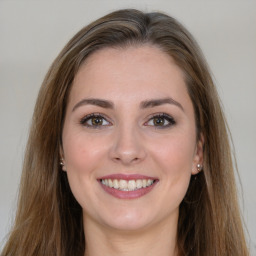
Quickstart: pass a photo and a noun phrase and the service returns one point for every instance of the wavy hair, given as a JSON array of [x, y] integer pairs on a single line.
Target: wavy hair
[[49, 219]]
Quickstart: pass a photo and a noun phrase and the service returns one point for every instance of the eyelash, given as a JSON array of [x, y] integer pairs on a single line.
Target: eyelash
[[163, 116], [89, 117]]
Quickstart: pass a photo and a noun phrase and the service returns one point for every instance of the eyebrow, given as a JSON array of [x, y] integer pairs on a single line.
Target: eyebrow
[[96, 102], [158, 102], [144, 104]]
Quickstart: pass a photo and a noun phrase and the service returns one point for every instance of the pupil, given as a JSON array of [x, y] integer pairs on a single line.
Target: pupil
[[96, 121], [158, 121]]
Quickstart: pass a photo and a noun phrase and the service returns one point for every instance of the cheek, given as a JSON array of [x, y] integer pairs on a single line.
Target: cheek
[[175, 160], [82, 162], [81, 155], [81, 152], [175, 154]]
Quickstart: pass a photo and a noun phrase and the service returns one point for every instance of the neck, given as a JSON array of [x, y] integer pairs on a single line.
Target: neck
[[160, 240]]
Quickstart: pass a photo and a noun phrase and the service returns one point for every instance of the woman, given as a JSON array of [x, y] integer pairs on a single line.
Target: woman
[[128, 151]]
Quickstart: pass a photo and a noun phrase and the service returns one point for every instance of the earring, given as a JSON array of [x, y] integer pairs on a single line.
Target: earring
[[199, 167], [61, 162]]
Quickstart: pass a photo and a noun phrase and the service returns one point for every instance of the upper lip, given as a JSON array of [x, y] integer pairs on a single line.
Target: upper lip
[[120, 176]]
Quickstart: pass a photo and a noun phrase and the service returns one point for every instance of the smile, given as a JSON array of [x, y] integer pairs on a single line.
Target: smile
[[127, 185], [124, 186]]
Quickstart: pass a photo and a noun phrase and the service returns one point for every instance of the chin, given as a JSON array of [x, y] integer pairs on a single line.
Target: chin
[[132, 220], [128, 225]]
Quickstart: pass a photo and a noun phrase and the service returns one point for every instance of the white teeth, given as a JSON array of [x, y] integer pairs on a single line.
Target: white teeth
[[149, 182], [115, 184], [139, 184], [125, 185], [110, 183], [131, 185]]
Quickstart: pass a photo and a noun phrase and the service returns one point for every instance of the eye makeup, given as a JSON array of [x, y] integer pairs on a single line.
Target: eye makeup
[[161, 121], [98, 120], [95, 121]]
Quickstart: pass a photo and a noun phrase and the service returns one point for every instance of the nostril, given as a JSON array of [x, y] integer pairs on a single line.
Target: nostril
[[127, 151], [127, 159]]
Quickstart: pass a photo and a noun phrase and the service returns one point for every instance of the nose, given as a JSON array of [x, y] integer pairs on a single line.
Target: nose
[[128, 147]]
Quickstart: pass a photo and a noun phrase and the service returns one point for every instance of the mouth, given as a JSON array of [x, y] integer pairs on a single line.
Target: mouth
[[127, 186]]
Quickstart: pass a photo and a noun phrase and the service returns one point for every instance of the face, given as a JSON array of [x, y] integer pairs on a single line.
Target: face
[[129, 138]]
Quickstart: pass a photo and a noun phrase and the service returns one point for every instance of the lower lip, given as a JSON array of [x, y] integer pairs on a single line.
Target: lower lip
[[128, 194]]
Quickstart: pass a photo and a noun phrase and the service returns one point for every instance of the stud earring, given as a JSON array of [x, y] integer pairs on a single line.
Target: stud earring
[[199, 167], [61, 162]]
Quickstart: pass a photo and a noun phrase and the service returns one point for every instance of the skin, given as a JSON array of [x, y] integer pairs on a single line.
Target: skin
[[129, 142]]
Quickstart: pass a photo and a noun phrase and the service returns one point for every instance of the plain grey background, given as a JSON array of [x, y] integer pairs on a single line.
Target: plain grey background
[[33, 32]]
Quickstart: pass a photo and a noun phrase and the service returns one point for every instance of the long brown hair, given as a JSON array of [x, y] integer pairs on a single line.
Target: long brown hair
[[49, 219]]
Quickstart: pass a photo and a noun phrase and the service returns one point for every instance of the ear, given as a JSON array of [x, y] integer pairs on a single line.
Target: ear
[[62, 159], [199, 155]]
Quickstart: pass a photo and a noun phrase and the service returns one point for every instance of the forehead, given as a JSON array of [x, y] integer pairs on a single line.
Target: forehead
[[142, 71]]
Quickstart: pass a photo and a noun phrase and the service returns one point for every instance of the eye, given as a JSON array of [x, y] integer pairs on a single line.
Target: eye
[[161, 121], [94, 121]]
